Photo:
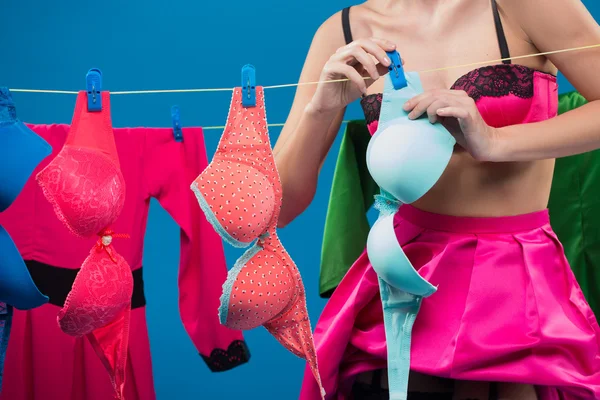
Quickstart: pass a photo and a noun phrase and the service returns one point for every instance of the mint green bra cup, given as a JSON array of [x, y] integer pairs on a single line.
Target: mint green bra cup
[[405, 158]]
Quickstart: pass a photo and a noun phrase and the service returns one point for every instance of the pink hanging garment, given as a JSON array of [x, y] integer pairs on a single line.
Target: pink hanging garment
[[85, 185], [240, 194], [42, 363]]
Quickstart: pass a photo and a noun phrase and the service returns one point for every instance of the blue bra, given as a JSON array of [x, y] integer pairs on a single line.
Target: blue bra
[[21, 151], [405, 158]]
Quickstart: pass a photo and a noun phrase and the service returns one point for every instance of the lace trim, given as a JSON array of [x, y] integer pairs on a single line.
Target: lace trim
[[490, 81], [231, 278], [497, 81], [386, 204], [371, 106], [210, 216], [223, 360]]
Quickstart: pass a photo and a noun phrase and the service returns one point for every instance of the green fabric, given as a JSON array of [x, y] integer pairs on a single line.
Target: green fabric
[[575, 211], [574, 206], [346, 224]]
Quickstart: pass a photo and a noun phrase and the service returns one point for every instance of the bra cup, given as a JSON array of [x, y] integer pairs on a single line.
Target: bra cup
[[389, 261], [260, 290], [102, 289], [407, 157], [16, 285], [240, 199], [21, 152], [86, 189]]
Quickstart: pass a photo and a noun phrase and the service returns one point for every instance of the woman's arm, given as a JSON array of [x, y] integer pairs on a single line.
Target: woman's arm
[[318, 110], [554, 25], [307, 134]]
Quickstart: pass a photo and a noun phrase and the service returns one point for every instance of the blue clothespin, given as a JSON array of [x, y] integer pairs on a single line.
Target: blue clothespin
[[249, 86], [175, 117], [93, 82], [396, 70]]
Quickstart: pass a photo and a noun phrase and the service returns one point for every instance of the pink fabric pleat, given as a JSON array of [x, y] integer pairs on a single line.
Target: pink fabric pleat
[[507, 309]]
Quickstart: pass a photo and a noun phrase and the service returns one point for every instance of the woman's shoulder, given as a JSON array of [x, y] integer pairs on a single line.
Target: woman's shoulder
[[330, 35], [358, 22]]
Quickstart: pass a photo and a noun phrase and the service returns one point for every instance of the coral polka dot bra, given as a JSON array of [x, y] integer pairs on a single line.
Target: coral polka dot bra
[[240, 193]]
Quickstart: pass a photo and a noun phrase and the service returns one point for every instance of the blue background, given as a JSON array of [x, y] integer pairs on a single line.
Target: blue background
[[168, 45]]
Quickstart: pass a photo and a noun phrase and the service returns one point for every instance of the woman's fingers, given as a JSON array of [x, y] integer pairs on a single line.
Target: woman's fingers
[[352, 74], [357, 55]]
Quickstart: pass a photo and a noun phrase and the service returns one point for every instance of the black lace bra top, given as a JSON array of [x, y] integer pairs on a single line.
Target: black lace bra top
[[515, 83]]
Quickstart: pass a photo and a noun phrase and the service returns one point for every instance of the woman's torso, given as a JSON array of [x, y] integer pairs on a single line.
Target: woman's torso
[[455, 33]]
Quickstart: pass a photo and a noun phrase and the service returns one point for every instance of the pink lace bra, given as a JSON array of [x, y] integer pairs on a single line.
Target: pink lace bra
[[87, 190], [521, 93]]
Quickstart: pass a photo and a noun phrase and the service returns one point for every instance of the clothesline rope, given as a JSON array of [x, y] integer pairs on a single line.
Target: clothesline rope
[[211, 128], [288, 85]]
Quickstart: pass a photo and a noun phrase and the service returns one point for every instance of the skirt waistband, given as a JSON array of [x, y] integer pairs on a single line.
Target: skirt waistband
[[448, 223]]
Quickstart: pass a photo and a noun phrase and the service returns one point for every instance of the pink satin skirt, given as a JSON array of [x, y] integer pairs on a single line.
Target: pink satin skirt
[[507, 309]]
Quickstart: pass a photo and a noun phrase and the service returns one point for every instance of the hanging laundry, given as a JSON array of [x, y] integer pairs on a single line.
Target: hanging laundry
[[153, 164], [240, 193], [85, 186], [21, 151]]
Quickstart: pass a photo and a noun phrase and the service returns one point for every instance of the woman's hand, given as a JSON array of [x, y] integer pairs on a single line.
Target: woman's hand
[[363, 58], [458, 112]]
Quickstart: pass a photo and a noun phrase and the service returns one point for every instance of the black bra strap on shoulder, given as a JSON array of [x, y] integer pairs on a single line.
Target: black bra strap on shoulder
[[346, 25], [504, 52]]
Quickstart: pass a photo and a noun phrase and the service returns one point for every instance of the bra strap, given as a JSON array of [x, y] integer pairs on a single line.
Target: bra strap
[[504, 52], [346, 25]]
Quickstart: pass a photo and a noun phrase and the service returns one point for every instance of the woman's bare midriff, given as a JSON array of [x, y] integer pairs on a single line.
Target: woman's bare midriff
[[470, 188]]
